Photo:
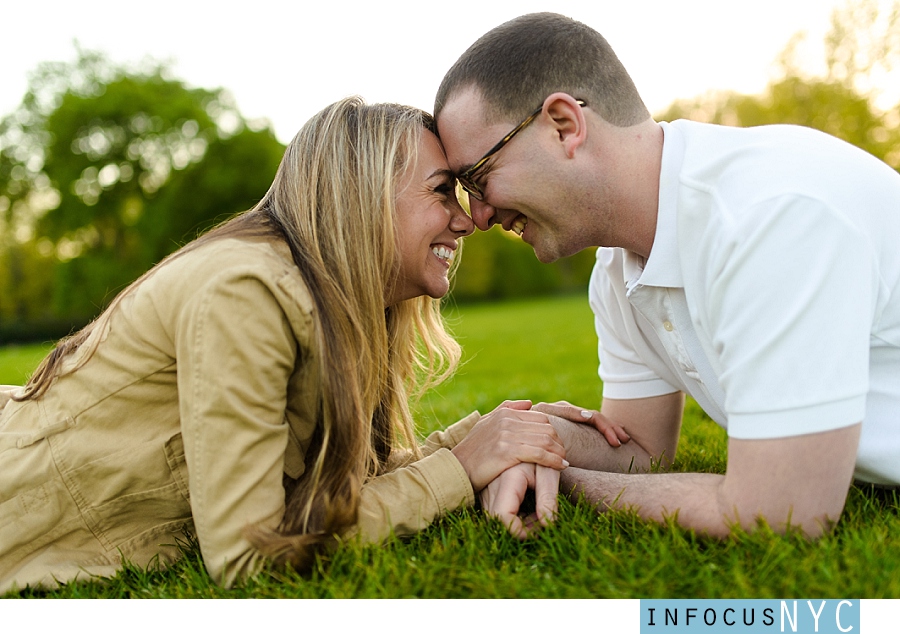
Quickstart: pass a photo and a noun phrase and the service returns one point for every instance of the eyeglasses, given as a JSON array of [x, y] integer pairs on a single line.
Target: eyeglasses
[[466, 178]]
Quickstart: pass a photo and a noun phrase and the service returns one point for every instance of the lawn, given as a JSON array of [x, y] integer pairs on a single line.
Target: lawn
[[546, 350], [17, 362]]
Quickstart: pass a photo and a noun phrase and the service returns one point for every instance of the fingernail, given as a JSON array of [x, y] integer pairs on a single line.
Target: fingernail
[[585, 413], [565, 464]]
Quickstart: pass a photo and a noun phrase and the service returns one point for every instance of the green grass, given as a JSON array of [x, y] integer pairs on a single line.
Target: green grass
[[546, 350], [17, 362]]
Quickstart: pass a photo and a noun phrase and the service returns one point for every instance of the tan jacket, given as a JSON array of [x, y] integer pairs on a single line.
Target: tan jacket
[[197, 400]]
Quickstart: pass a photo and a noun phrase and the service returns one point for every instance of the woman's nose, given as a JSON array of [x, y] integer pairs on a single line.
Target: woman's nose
[[460, 222]]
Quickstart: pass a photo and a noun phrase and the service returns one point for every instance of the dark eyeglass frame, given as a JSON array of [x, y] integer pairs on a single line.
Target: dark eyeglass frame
[[465, 179]]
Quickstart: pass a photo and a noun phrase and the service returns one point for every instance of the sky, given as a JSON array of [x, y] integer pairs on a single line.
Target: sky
[[285, 60]]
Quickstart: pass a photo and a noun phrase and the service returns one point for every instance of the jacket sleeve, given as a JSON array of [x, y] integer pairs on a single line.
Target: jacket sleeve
[[235, 352], [407, 499], [450, 437], [6, 393]]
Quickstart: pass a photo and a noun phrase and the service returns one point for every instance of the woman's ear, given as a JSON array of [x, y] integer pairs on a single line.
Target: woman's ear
[[568, 120]]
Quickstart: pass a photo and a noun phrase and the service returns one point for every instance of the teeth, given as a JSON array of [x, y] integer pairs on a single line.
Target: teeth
[[443, 253], [519, 225]]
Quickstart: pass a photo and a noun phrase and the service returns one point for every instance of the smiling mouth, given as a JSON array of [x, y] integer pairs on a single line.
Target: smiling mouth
[[443, 253], [518, 226]]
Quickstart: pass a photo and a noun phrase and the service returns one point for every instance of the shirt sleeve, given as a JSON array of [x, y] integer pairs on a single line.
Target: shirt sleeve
[[789, 308], [622, 369]]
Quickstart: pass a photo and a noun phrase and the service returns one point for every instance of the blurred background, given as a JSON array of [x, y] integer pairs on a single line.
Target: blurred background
[[126, 129]]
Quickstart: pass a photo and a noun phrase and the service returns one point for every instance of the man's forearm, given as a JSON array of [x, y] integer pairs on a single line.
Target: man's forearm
[[652, 424], [586, 448], [801, 481], [694, 497]]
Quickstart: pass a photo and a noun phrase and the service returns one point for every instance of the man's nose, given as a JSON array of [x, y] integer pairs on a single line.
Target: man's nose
[[483, 214]]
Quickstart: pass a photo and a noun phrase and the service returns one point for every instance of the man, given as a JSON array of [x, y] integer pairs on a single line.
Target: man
[[757, 270]]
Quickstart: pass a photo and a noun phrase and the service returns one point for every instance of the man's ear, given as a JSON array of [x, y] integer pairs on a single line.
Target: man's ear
[[568, 120]]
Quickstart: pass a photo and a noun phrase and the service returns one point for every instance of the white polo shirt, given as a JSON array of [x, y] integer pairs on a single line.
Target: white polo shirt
[[772, 291]]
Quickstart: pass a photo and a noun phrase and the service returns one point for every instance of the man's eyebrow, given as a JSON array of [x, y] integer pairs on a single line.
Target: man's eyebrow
[[465, 168], [446, 173]]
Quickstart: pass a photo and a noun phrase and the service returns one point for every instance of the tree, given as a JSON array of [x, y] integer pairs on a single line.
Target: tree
[[106, 169], [862, 45]]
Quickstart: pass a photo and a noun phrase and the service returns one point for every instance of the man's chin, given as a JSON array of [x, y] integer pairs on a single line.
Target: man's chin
[[549, 253], [543, 255]]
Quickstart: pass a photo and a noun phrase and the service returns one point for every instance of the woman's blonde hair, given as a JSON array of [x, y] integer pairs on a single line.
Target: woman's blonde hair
[[333, 202]]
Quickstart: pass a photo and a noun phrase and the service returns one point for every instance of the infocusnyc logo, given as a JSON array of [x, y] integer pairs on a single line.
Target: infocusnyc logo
[[749, 616]]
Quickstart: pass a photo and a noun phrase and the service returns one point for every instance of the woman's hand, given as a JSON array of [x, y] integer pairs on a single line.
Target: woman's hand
[[503, 497], [615, 435], [510, 434]]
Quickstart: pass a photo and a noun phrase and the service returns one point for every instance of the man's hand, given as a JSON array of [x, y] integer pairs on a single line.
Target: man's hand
[[503, 497], [615, 434], [509, 435]]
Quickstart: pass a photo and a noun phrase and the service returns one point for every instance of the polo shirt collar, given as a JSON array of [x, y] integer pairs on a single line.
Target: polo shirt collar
[[663, 267]]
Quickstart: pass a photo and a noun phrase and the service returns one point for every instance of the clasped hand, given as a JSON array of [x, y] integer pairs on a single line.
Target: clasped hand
[[504, 494], [503, 498]]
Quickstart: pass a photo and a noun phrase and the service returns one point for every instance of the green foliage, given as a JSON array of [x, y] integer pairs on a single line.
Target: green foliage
[[862, 46], [24, 290], [546, 349], [828, 106], [104, 170], [499, 265]]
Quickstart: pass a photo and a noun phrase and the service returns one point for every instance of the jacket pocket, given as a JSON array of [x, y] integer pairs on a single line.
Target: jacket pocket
[[37, 510], [174, 450]]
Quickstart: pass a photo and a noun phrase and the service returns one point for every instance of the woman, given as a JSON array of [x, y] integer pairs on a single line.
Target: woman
[[253, 388]]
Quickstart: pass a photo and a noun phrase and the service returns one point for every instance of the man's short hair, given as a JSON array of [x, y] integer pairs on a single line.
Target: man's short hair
[[516, 65]]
